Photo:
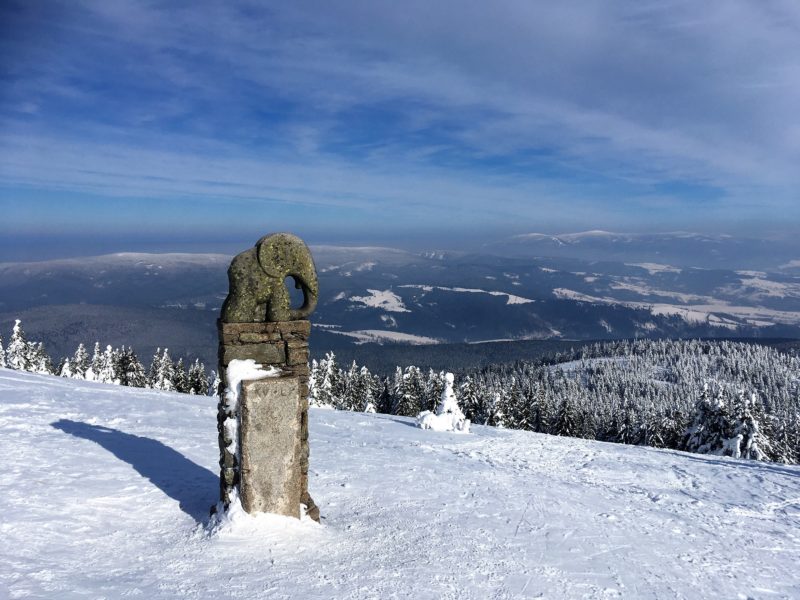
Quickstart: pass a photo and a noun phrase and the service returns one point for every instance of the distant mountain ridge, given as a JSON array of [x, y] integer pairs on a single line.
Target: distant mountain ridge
[[682, 248], [388, 295]]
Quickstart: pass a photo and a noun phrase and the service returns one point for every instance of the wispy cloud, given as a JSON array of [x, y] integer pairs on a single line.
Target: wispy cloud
[[620, 111]]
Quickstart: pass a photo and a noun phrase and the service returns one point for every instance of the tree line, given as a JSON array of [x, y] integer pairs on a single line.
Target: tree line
[[713, 397], [118, 366]]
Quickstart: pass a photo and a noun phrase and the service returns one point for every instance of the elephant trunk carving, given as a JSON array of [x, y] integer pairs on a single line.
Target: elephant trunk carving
[[257, 281]]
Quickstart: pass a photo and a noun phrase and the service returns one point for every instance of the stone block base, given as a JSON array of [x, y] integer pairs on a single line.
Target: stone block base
[[270, 475], [284, 345]]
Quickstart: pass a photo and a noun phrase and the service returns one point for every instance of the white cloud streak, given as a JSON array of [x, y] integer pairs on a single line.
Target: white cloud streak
[[636, 94]]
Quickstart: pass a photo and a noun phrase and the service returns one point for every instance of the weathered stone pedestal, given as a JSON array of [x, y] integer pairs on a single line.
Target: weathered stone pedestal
[[269, 446], [273, 414]]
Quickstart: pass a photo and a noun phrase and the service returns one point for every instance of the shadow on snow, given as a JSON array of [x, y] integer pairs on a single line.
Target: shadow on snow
[[178, 477]]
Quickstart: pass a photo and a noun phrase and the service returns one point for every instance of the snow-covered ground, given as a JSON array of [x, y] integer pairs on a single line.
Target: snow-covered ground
[[379, 336], [383, 299], [105, 493]]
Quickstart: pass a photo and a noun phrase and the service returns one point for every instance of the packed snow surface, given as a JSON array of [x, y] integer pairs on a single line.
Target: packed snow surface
[[105, 493]]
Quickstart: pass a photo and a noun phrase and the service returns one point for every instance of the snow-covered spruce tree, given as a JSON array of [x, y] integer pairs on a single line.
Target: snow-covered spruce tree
[[198, 380], [386, 399], [628, 430], [747, 430], [356, 384], [79, 363], [793, 427], [155, 368], [514, 407], [165, 374], [651, 430], [410, 392], [92, 373], [213, 383], [375, 390], [368, 402], [536, 408], [448, 415], [18, 353], [566, 422], [129, 370], [2, 354], [313, 383], [434, 384], [65, 368], [105, 372], [671, 428], [39, 359], [496, 417], [180, 380], [396, 388], [329, 380], [469, 399], [711, 426]]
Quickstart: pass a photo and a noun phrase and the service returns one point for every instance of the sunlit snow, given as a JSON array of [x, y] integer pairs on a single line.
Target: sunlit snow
[[106, 490]]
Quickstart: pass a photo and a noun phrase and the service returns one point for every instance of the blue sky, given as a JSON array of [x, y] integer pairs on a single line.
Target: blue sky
[[436, 123]]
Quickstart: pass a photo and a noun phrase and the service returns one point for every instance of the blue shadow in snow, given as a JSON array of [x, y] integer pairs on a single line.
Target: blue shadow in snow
[[193, 486]]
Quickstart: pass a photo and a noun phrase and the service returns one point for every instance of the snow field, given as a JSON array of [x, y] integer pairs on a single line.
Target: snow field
[[106, 493]]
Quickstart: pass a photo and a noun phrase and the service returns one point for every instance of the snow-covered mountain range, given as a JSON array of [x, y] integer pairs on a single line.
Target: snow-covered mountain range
[[372, 294], [682, 248], [106, 493]]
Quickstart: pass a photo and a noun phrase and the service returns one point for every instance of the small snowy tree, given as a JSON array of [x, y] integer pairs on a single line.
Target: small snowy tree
[[434, 384], [469, 399], [214, 383], [710, 429], [328, 382], [66, 369], [198, 380], [2, 354], [753, 444], [313, 383], [410, 392], [93, 372], [129, 370], [495, 415], [79, 363], [567, 419], [155, 367], [39, 359], [355, 388], [164, 375], [448, 416], [18, 353], [385, 400], [368, 400], [180, 380], [105, 372]]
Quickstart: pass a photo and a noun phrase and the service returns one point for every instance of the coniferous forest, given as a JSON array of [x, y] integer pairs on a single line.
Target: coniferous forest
[[710, 397], [724, 397]]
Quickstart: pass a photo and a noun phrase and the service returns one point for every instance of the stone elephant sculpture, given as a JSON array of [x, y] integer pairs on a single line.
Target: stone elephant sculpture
[[257, 291]]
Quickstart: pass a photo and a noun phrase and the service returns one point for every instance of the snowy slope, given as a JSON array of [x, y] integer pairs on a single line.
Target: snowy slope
[[105, 492]]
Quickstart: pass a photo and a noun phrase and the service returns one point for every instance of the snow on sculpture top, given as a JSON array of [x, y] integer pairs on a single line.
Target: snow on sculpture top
[[256, 277]]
